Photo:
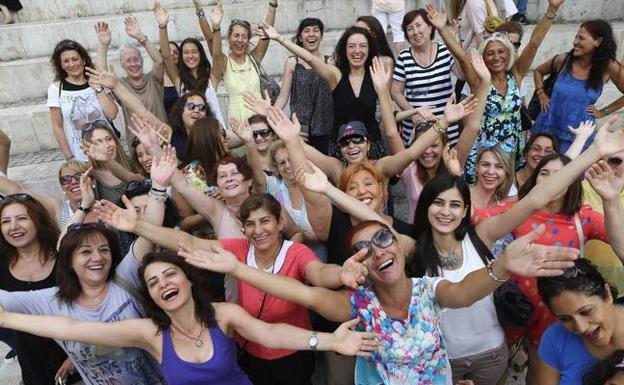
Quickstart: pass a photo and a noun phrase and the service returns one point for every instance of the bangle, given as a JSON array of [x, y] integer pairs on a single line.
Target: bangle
[[162, 26], [200, 13], [216, 29], [490, 271], [605, 111], [143, 40], [159, 190], [438, 128], [272, 4], [157, 196], [546, 15]]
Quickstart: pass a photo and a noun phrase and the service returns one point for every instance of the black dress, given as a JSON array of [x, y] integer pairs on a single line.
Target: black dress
[[13, 5], [348, 107], [39, 358]]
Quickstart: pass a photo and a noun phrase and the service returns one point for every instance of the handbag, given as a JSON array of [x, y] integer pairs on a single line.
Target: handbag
[[267, 84], [513, 308], [491, 22], [534, 107]]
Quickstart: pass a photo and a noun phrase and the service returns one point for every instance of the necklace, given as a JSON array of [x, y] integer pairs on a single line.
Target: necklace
[[449, 261], [196, 340]]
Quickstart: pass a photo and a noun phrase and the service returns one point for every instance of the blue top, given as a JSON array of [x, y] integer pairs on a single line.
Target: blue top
[[568, 107], [221, 369], [564, 351]]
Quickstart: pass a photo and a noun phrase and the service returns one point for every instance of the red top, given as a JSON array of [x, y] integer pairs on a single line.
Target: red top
[[275, 310]]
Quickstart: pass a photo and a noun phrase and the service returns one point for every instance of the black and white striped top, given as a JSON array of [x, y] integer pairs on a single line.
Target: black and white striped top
[[426, 86]]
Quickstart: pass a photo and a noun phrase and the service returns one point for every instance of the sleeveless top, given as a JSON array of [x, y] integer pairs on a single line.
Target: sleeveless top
[[568, 107], [228, 226], [221, 369], [501, 123], [170, 96], [311, 98], [238, 79], [66, 214]]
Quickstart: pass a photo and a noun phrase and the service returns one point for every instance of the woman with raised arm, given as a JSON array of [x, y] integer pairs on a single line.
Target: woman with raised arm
[[28, 261], [189, 336], [310, 96], [240, 69], [590, 327], [389, 299], [501, 121], [193, 72]]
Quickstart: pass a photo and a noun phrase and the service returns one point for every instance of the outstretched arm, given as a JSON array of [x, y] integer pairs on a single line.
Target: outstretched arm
[[133, 29], [333, 305], [583, 132], [102, 30], [162, 18], [260, 49], [203, 24], [521, 257]]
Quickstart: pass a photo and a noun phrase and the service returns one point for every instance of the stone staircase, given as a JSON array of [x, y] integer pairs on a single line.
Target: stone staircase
[[25, 47]]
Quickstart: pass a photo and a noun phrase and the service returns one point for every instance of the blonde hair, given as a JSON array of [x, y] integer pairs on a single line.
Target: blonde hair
[[275, 147], [507, 160], [513, 55], [73, 164]]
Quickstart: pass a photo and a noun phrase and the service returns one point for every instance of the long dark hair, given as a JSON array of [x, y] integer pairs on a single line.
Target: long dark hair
[[341, 49], [47, 229], [534, 137], [204, 144], [305, 23], [425, 259], [67, 45], [587, 281], [175, 116], [200, 290], [378, 33], [573, 196], [66, 278], [605, 369], [199, 83], [603, 55]]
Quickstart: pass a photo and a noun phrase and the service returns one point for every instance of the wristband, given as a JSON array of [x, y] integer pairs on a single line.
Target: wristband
[[143, 40], [605, 111], [546, 15], [159, 190], [157, 196], [200, 13], [490, 271]]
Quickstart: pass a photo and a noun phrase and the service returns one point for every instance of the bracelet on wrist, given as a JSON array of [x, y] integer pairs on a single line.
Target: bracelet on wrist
[[157, 196], [438, 128], [272, 5], [605, 111], [85, 209], [546, 15], [143, 40], [162, 26], [200, 13], [159, 190], [216, 29], [490, 271]]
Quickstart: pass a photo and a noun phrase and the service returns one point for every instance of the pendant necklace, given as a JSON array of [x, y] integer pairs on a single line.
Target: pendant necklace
[[196, 340], [449, 261]]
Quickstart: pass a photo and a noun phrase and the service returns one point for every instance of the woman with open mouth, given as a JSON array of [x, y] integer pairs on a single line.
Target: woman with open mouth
[[190, 338], [590, 327]]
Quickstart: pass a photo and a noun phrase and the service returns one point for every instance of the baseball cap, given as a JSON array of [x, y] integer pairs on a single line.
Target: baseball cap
[[354, 128]]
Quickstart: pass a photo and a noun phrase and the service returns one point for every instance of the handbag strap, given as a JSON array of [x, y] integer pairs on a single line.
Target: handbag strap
[[579, 232], [257, 66], [484, 252]]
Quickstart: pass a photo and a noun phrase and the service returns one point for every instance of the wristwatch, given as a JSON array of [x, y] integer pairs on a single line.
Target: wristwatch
[[84, 209], [313, 341], [200, 13]]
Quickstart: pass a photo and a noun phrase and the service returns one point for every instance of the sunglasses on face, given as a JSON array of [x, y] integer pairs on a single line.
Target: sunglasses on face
[[195, 106], [262, 133], [382, 239], [354, 139], [66, 180]]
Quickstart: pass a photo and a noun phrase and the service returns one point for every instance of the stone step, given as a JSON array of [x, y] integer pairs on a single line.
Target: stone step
[[30, 129], [54, 10], [38, 39], [27, 80]]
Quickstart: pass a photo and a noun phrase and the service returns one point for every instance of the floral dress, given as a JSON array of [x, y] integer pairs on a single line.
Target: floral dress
[[412, 350], [501, 123]]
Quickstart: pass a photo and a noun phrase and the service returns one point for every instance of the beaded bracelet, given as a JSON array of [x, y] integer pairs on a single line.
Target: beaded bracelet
[[490, 271]]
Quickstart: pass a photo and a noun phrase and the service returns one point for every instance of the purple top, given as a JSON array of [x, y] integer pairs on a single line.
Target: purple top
[[222, 368]]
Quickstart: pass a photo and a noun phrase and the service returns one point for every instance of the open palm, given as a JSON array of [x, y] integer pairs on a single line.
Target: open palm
[[116, 217], [352, 343], [217, 259], [314, 180]]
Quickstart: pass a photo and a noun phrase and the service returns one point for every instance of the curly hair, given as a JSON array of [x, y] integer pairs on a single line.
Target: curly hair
[[341, 49], [202, 286], [175, 115], [67, 45], [378, 33]]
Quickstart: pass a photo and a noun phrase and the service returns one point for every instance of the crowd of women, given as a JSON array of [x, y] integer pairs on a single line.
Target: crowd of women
[[233, 246]]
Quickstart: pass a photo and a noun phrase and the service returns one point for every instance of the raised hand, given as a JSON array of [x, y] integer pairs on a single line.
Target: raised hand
[[143, 130], [103, 33], [163, 167], [437, 18], [607, 181], [107, 79], [380, 76], [216, 16], [217, 259], [116, 217], [451, 161], [287, 130], [524, 258], [94, 83], [584, 130], [95, 151], [479, 66], [455, 112], [556, 3], [132, 27], [257, 105], [352, 343], [86, 188], [242, 130], [315, 181], [354, 272], [269, 31], [609, 142], [161, 14]]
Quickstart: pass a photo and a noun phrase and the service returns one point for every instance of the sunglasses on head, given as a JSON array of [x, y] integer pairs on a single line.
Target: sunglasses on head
[[137, 186], [240, 22], [84, 226], [97, 123], [19, 197], [495, 35], [262, 133], [352, 139], [382, 239], [506, 147], [66, 45], [195, 106], [66, 180], [571, 272]]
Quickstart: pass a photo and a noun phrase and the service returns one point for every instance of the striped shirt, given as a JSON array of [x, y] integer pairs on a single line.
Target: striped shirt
[[426, 86]]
